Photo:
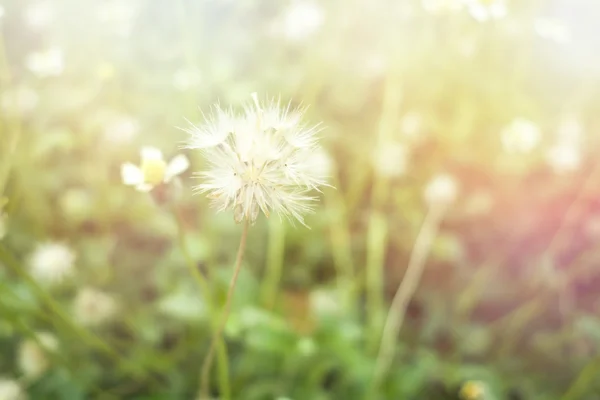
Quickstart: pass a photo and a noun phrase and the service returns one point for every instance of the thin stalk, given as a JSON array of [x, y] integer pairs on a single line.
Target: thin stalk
[[63, 317], [205, 376], [205, 289], [405, 292], [274, 262]]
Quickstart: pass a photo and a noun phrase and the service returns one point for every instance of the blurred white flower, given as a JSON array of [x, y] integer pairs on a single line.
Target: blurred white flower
[[153, 170], [19, 100], [485, 10], [32, 356], [11, 390], [39, 15], [51, 263], [552, 29], [390, 159], [521, 136], [46, 63], [442, 190], [442, 6], [263, 160], [302, 19], [564, 157], [411, 125], [118, 14], [187, 78], [93, 307], [325, 303], [121, 129]]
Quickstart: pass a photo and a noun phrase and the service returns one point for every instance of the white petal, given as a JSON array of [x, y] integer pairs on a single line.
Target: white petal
[[151, 153], [176, 166], [131, 174]]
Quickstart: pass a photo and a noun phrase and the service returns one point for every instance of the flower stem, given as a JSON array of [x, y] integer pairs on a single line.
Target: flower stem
[[205, 377], [205, 289], [274, 262], [405, 291]]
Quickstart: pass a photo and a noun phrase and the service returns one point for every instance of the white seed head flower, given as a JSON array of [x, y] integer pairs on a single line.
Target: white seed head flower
[[153, 170], [51, 263], [93, 307], [46, 63], [265, 160], [521, 136], [32, 356], [442, 190], [11, 390]]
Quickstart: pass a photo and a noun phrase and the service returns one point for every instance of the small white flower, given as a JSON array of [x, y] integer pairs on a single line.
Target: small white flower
[[19, 101], [390, 159], [121, 129], [302, 19], [153, 170], [485, 10], [51, 263], [93, 307], [32, 357], [39, 15], [264, 160], [442, 190], [11, 390], [521, 136], [46, 63], [553, 30]]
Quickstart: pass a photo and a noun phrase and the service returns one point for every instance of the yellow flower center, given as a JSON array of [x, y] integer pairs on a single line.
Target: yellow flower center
[[153, 170]]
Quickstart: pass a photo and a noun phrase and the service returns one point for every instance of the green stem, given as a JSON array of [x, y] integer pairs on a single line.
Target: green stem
[[274, 262], [222, 359], [205, 376], [405, 292], [87, 337]]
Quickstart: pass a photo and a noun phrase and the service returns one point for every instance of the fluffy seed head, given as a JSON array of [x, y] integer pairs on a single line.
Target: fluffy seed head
[[93, 307], [265, 159]]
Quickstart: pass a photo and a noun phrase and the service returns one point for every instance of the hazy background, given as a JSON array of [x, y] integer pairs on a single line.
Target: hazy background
[[497, 100]]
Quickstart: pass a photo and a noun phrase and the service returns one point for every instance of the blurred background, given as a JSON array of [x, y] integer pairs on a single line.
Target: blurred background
[[482, 113]]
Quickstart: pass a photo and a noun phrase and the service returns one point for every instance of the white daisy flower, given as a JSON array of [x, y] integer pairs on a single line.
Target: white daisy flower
[[51, 263], [11, 390], [441, 190], [46, 63], [93, 307], [521, 136], [32, 355], [265, 160], [485, 10], [154, 170]]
